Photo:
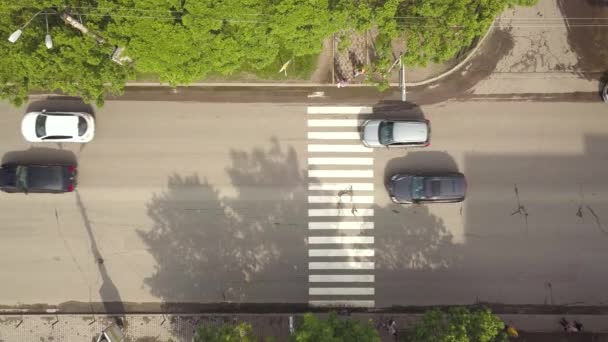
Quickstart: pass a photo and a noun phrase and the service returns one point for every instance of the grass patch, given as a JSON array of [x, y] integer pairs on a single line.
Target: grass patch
[[301, 68]]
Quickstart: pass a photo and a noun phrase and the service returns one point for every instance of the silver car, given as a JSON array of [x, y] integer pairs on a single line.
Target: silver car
[[396, 133]]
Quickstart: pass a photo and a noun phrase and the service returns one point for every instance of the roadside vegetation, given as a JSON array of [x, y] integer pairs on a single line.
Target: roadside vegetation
[[185, 41], [458, 324]]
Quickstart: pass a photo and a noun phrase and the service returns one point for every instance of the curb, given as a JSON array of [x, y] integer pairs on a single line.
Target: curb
[[316, 85]]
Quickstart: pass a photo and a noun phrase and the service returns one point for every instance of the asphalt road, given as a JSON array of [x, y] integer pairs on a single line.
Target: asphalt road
[[207, 202]]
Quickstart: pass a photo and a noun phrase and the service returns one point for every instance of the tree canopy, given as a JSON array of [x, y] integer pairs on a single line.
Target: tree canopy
[[184, 41], [241, 332], [334, 329], [459, 325]]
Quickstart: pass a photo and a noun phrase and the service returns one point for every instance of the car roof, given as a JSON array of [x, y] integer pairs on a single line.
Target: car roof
[[50, 177], [410, 131], [445, 186], [61, 125]]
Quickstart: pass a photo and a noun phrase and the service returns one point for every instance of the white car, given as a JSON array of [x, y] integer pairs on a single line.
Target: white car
[[58, 127]]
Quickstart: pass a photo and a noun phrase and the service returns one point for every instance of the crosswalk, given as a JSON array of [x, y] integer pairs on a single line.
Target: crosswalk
[[340, 208]]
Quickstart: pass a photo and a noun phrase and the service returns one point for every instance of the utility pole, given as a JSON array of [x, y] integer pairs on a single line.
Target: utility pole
[[402, 79], [68, 19]]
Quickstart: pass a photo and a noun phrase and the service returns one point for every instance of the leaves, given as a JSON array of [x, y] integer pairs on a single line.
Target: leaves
[[334, 329], [459, 325], [241, 332]]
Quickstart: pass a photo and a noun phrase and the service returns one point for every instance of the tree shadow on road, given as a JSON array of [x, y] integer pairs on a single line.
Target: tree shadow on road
[[212, 248]]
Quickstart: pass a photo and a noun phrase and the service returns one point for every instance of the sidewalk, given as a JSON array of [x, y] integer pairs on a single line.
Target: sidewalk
[[152, 328]]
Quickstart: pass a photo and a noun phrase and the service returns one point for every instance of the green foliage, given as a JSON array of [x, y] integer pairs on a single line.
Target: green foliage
[[334, 329], [184, 41], [436, 30], [241, 332], [76, 65], [459, 325]]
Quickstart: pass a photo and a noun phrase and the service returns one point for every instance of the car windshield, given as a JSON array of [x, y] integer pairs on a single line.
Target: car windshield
[[385, 133], [41, 126], [418, 188], [82, 126], [21, 181]]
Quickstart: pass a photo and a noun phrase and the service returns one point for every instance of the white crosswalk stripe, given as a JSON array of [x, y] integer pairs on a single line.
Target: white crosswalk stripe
[[341, 291], [349, 265], [334, 135], [340, 212], [338, 206], [339, 110], [345, 199], [341, 225], [343, 303], [340, 173], [334, 123], [338, 148], [340, 252], [340, 239], [341, 278], [341, 186], [340, 161]]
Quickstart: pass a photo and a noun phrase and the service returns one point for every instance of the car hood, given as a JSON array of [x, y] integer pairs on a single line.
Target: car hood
[[370, 133], [400, 187], [28, 127], [6, 178]]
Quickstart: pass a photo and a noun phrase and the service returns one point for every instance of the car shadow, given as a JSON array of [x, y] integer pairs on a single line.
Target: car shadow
[[397, 110], [40, 155], [61, 104], [423, 162]]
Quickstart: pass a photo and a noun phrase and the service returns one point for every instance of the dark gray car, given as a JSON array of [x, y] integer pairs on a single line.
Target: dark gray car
[[421, 188], [37, 178]]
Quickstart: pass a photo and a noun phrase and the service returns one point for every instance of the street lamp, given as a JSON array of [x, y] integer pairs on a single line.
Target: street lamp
[[47, 41]]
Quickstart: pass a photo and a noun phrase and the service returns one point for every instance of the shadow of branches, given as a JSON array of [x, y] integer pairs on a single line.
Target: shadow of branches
[[211, 248]]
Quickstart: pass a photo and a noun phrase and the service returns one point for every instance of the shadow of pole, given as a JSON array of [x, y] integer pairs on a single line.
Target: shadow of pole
[[110, 296]]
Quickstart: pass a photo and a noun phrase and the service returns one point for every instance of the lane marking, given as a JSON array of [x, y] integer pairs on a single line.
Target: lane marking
[[349, 265], [334, 123], [339, 110], [341, 186], [335, 135], [340, 252], [341, 199], [341, 225], [341, 173], [341, 278], [338, 148], [340, 161], [340, 239], [341, 291], [341, 212], [343, 303]]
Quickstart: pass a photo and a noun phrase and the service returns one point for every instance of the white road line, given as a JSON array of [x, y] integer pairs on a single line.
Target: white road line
[[334, 123], [339, 110], [341, 291], [341, 212], [341, 199], [341, 186], [341, 278], [338, 148], [341, 239], [343, 303], [335, 135], [341, 173], [341, 225], [340, 252], [340, 161], [349, 265]]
